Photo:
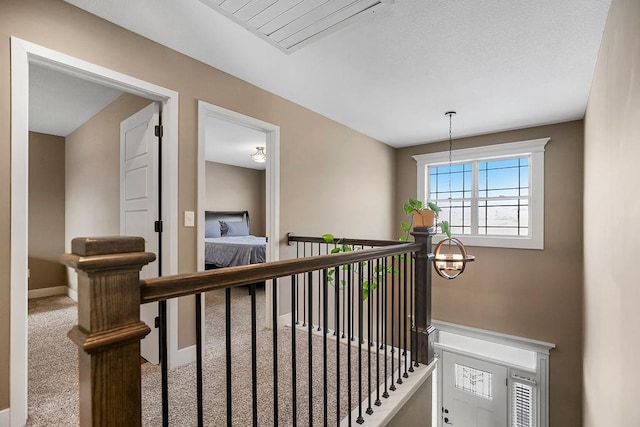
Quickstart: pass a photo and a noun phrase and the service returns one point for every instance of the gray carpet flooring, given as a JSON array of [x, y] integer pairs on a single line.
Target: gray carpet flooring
[[53, 376]]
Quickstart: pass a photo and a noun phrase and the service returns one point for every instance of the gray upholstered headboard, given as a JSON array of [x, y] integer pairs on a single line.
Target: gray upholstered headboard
[[212, 220]]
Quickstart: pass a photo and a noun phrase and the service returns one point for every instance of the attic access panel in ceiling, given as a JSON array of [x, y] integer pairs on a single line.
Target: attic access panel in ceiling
[[292, 24]]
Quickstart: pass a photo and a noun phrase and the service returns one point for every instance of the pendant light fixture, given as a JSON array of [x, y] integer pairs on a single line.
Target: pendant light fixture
[[259, 156], [450, 255]]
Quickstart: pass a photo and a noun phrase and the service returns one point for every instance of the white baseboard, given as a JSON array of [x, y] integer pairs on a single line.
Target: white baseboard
[[72, 293], [47, 292], [5, 417]]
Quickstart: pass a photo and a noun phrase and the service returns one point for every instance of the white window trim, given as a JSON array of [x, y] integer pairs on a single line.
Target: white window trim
[[534, 148]]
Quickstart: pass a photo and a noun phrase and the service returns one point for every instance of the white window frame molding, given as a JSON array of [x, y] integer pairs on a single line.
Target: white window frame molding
[[535, 149]]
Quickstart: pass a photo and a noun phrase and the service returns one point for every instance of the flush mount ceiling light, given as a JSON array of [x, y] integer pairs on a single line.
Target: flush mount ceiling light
[[449, 262], [292, 24], [259, 156]]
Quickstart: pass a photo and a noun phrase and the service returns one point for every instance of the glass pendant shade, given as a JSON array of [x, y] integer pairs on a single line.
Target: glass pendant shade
[[259, 156]]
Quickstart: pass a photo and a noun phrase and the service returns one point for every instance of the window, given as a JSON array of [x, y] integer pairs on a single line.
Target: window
[[492, 196], [473, 381]]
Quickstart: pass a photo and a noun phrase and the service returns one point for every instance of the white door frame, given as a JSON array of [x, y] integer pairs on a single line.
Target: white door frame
[[272, 133], [24, 53]]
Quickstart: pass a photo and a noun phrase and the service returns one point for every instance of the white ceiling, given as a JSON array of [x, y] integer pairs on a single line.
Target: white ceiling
[[230, 143], [59, 104], [501, 64]]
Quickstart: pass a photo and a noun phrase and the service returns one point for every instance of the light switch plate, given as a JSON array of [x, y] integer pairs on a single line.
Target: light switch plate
[[189, 219]]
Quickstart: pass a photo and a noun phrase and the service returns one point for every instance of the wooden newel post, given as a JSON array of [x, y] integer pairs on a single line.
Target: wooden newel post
[[109, 329], [423, 333]]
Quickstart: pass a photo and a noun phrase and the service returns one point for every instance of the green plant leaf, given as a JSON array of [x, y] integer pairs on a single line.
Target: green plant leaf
[[407, 208], [405, 227], [336, 250], [328, 238], [444, 225], [434, 207]]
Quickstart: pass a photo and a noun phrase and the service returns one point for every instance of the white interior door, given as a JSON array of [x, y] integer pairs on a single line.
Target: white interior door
[[474, 392], [139, 209]]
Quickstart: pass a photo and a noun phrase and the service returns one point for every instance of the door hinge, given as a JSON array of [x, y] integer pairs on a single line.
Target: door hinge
[[158, 131], [156, 322], [157, 226]]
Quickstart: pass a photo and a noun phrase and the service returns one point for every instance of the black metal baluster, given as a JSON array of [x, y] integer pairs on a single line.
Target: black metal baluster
[[304, 290], [369, 332], [199, 359], [325, 395], [227, 302], [344, 319], [400, 331], [254, 357], [349, 334], [319, 291], [394, 283], [274, 327], [360, 420], [295, 291], [310, 347], [385, 289], [406, 314], [336, 273], [379, 279], [412, 286], [352, 309], [164, 366], [294, 377]]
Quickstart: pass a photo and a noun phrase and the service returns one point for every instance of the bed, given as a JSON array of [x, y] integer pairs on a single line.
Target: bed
[[228, 240]]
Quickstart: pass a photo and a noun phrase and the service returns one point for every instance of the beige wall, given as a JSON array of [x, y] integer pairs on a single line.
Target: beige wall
[[611, 226], [93, 174], [416, 412], [232, 188], [530, 293], [46, 211], [332, 178]]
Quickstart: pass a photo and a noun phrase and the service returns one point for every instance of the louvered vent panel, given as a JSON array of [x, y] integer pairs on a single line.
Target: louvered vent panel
[[522, 405], [292, 24]]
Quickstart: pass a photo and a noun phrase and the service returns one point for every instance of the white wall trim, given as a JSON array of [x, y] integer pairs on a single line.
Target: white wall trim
[[72, 293], [495, 337], [47, 292], [22, 54], [272, 179], [5, 417]]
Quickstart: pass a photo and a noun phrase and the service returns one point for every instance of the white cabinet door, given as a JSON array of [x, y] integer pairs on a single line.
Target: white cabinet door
[[139, 202], [474, 392]]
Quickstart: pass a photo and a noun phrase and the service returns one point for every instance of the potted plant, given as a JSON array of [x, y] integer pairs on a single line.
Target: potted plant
[[422, 216]]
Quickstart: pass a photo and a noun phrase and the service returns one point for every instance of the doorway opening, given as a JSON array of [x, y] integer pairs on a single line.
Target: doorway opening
[[24, 55], [224, 132]]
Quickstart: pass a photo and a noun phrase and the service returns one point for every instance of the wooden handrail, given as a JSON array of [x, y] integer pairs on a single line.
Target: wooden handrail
[[162, 288], [110, 292], [292, 238]]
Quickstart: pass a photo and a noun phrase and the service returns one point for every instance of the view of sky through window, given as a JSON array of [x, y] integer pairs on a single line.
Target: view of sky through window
[[491, 195]]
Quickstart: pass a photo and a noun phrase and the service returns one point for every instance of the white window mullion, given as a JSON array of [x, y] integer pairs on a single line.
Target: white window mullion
[[474, 197]]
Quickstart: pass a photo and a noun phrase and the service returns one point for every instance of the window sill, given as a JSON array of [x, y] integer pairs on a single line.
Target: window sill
[[505, 242]]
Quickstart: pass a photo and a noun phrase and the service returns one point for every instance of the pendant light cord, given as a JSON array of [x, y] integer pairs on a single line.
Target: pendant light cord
[[450, 114]]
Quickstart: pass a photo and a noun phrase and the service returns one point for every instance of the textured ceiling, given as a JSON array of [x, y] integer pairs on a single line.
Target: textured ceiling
[[501, 64]]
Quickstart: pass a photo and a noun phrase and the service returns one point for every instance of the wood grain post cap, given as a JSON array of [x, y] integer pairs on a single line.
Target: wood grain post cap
[[92, 246]]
